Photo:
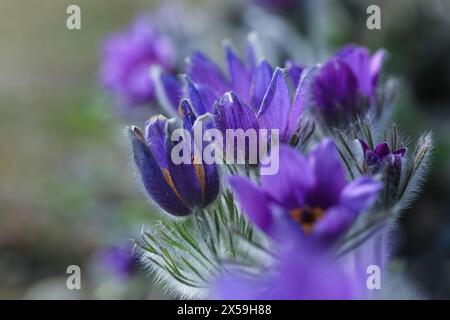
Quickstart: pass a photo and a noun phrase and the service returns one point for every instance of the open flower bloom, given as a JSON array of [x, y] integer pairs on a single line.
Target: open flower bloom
[[346, 86], [126, 60], [179, 189], [276, 111], [310, 192]]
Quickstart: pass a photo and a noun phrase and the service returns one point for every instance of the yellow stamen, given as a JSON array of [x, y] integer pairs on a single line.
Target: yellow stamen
[[307, 217]]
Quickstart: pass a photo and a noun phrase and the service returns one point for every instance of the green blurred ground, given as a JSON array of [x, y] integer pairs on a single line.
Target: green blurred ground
[[66, 185]]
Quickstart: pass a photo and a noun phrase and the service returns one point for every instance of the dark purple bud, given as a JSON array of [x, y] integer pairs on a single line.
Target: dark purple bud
[[179, 189]]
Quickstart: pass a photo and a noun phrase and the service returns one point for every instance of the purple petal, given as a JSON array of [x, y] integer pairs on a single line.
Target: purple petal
[[376, 63], [239, 75], [359, 60], [195, 98], [208, 97], [364, 146], [234, 287], [231, 113], [302, 95], [260, 83], [172, 91], [186, 114], [212, 178], [212, 183], [335, 90], [140, 86], [292, 277], [372, 158], [286, 187], [155, 135], [188, 178], [127, 57], [253, 202], [294, 71], [400, 152], [157, 183], [336, 220], [326, 164], [203, 71], [360, 194], [276, 104], [382, 150]]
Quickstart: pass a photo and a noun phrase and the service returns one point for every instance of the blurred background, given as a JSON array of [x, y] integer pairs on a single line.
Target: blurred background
[[68, 193]]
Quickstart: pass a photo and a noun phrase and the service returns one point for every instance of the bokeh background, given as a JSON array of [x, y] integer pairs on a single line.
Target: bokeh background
[[67, 188]]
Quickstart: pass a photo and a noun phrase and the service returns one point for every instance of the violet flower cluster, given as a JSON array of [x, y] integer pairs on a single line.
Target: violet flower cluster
[[312, 229]]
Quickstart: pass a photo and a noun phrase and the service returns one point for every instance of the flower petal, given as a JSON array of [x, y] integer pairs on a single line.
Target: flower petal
[[329, 175], [376, 62], [301, 101], [335, 90], [364, 146], [336, 220], [195, 98], [186, 114], [157, 184], [360, 194], [260, 83], [239, 74], [253, 202], [382, 150], [287, 187], [212, 177], [231, 113], [155, 136], [276, 104], [168, 89], [208, 98], [359, 60], [188, 178], [204, 71], [294, 71], [400, 152]]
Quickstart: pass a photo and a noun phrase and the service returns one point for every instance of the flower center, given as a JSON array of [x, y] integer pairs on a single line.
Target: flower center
[[307, 217]]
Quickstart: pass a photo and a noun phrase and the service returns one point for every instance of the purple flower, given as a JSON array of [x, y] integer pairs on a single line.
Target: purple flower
[[381, 156], [206, 82], [382, 159], [297, 274], [118, 260], [310, 192], [276, 111], [179, 189], [294, 71], [126, 60], [346, 86]]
